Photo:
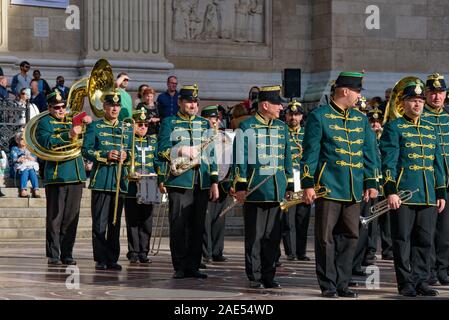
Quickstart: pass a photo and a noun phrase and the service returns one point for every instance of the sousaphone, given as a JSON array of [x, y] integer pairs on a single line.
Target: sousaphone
[[395, 107], [101, 80]]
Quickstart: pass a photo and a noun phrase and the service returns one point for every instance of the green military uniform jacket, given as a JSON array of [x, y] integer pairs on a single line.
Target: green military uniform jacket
[[261, 149], [54, 133], [146, 161], [101, 137], [184, 130], [411, 159], [440, 120], [296, 138], [339, 153]]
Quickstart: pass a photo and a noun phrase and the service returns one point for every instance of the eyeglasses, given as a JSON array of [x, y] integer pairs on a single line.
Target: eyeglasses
[[59, 107], [143, 125]]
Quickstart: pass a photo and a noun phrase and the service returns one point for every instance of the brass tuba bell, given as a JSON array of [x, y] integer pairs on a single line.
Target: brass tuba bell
[[100, 80], [395, 108]]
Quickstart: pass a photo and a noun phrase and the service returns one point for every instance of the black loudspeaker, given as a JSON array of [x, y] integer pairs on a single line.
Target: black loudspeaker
[[291, 83]]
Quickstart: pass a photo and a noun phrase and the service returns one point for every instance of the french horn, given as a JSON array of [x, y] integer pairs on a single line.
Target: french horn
[[101, 80]]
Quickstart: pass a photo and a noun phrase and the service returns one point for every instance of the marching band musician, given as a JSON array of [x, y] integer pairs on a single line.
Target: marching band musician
[[438, 115], [102, 145], [63, 181], [262, 151], [411, 160], [339, 154], [297, 217], [182, 135], [213, 241], [139, 216]]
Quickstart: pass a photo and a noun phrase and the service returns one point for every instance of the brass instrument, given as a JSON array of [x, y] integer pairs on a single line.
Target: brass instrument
[[382, 207], [100, 80], [234, 203], [297, 197], [181, 165], [395, 108], [126, 123]]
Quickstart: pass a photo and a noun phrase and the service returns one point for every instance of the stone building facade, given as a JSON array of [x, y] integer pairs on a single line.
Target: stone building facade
[[226, 46]]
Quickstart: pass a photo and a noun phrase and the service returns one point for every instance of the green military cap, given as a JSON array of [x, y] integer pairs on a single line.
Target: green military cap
[[294, 107], [352, 80], [210, 111], [189, 93], [140, 114], [414, 89], [55, 98], [375, 114], [271, 94], [111, 97], [435, 82]]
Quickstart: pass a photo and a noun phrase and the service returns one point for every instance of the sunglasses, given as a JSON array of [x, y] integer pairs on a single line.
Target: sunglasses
[[59, 107], [143, 125]]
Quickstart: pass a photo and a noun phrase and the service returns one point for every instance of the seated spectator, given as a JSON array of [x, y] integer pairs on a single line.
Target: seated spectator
[[3, 169], [25, 164], [60, 81], [152, 111], [3, 91], [38, 98], [140, 94], [42, 84]]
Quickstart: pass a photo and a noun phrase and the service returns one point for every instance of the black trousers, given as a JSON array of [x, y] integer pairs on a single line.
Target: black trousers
[[411, 230], [139, 224], [362, 243], [295, 223], [63, 211], [187, 210], [262, 239], [336, 236], [439, 255], [105, 236], [214, 230]]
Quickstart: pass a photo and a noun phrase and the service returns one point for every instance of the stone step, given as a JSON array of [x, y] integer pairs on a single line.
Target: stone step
[[32, 203], [34, 223], [14, 192]]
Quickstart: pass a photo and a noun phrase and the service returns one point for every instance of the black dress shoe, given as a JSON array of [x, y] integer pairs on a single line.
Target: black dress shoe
[[329, 294], [353, 283], [303, 258], [370, 257], [206, 260], [408, 291], [388, 257], [291, 258], [2, 194], [145, 260], [346, 293], [444, 281], [69, 262], [203, 266], [134, 260], [256, 285], [278, 264], [54, 262], [424, 290], [101, 266], [114, 266], [433, 281], [360, 273], [272, 284], [366, 263], [195, 274], [179, 274], [220, 259]]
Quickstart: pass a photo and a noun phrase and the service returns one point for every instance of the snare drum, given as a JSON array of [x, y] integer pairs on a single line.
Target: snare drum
[[148, 191]]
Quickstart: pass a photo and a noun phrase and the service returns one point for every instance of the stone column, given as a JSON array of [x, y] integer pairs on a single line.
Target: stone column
[[3, 25], [129, 33]]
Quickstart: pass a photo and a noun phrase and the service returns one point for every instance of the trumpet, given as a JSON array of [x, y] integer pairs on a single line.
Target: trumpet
[[296, 198], [382, 207]]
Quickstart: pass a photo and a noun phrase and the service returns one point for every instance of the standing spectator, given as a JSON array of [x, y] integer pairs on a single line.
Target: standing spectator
[[140, 94], [37, 97], [168, 101], [3, 91], [383, 106], [127, 102], [42, 84], [26, 165], [239, 114], [22, 79], [151, 110], [24, 102], [61, 87]]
